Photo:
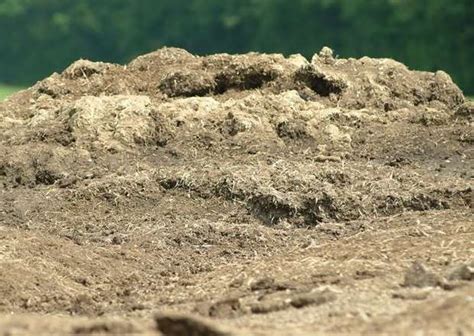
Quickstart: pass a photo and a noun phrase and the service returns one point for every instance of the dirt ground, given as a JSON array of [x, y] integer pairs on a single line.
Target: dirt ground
[[237, 195]]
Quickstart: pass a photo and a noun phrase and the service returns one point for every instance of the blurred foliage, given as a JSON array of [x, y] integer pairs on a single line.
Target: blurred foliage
[[41, 36], [6, 90]]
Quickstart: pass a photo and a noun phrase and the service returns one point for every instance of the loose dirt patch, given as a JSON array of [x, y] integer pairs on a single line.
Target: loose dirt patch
[[237, 194]]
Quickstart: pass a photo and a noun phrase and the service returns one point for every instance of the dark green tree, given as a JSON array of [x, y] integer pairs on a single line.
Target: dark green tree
[[38, 37]]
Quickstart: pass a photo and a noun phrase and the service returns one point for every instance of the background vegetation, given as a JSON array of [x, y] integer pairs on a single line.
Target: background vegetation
[[6, 90], [38, 37]]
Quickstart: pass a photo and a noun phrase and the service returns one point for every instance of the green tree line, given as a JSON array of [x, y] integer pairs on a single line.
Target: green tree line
[[38, 37]]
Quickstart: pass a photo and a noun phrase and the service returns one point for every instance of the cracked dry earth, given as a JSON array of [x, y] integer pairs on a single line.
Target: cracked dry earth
[[237, 195]]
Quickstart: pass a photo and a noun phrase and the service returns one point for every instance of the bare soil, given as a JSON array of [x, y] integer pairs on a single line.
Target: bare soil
[[237, 194]]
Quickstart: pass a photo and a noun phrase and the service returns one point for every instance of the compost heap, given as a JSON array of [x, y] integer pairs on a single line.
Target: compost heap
[[237, 194]]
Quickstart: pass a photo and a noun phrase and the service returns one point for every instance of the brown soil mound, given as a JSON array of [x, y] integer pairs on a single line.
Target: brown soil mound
[[269, 194]]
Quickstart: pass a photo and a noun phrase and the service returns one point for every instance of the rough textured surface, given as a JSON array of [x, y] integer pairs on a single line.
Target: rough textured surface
[[272, 195]]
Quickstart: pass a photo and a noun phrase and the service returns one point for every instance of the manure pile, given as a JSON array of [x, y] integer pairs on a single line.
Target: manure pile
[[236, 195]]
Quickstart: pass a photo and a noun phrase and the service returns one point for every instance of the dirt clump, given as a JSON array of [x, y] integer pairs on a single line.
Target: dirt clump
[[419, 276], [180, 325], [269, 194]]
